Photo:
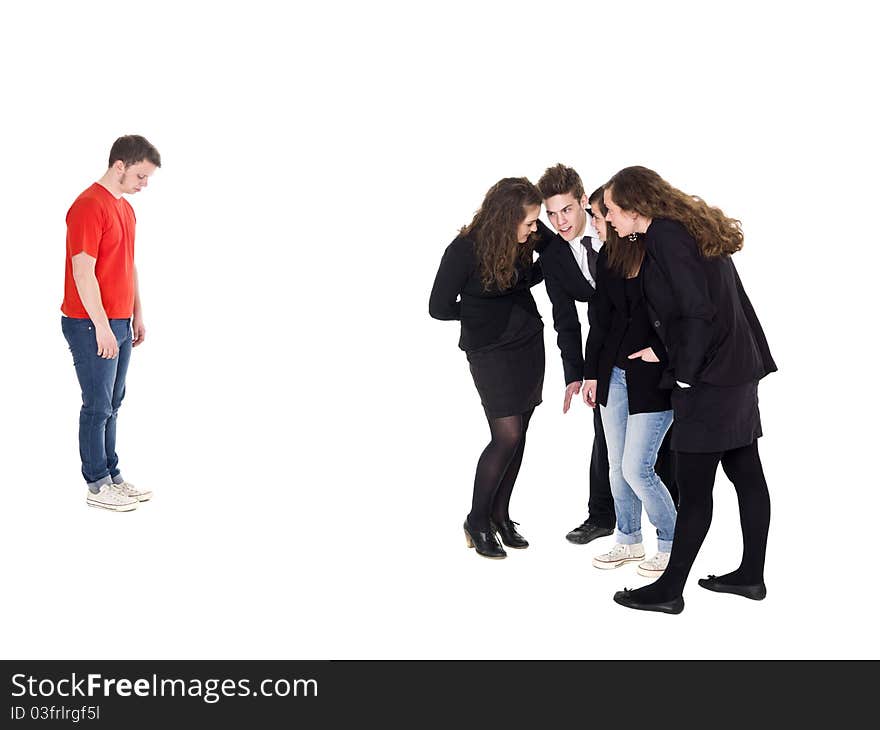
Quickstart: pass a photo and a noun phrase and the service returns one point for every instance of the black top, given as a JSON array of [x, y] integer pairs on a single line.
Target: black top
[[632, 290], [565, 284], [521, 325], [485, 315], [700, 311], [619, 326]]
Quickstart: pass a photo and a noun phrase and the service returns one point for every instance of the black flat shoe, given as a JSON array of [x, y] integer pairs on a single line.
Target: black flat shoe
[[626, 598], [755, 591], [509, 535], [484, 541], [588, 532]]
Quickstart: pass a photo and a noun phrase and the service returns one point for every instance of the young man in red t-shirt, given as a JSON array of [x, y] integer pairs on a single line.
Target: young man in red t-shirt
[[102, 312]]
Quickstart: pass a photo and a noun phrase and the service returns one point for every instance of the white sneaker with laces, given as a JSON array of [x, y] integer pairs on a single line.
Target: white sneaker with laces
[[130, 490], [619, 555], [654, 567], [109, 497]]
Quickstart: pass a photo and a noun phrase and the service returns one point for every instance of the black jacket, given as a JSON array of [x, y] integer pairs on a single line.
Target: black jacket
[[610, 319], [701, 312], [565, 284], [484, 315]]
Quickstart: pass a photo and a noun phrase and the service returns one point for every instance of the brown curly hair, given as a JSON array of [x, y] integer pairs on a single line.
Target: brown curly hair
[[645, 192], [624, 257], [493, 231]]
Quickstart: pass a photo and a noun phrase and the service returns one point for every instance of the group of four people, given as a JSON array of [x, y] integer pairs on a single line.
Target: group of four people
[[673, 339]]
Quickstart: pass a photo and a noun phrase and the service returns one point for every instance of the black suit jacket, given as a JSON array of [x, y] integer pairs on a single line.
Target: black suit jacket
[[610, 319], [700, 311], [483, 314], [566, 284]]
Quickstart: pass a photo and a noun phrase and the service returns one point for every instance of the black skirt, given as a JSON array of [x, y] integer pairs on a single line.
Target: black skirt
[[510, 378], [710, 418]]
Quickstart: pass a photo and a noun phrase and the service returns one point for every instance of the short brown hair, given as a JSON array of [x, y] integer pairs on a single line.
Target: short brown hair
[[131, 149], [559, 180]]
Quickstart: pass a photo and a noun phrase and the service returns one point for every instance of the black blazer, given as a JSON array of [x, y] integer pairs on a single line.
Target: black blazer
[[484, 315], [610, 320], [701, 312], [565, 283]]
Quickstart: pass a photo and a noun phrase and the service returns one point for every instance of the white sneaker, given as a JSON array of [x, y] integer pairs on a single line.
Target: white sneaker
[[618, 555], [109, 497], [130, 490], [654, 567]]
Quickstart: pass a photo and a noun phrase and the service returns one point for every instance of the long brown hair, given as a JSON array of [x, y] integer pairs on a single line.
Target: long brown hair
[[493, 231], [645, 192], [624, 257]]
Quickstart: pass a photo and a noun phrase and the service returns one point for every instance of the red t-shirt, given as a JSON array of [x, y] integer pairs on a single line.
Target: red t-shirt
[[103, 227]]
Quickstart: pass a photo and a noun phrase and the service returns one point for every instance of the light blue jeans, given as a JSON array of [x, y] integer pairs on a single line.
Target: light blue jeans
[[633, 442]]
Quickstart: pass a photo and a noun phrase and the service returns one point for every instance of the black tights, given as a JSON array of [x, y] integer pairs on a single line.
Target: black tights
[[696, 476], [497, 470]]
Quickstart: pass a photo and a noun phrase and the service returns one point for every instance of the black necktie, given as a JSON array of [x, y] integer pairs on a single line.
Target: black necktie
[[592, 255]]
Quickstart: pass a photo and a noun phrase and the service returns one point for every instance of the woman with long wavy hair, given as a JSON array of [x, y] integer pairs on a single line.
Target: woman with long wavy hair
[[717, 354], [484, 280]]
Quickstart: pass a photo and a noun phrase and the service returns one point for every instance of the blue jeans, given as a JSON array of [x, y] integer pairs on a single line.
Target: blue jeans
[[102, 383], [633, 442]]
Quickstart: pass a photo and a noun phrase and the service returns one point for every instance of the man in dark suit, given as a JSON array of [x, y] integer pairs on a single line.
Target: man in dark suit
[[569, 264]]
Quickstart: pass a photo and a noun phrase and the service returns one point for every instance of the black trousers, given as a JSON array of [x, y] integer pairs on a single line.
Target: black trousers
[[601, 503]]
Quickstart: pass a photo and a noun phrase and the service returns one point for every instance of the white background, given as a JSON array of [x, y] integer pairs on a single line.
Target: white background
[[310, 433]]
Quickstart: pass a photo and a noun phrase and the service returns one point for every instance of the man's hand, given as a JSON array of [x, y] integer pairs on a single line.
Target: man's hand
[[138, 330], [590, 393], [108, 347], [570, 390], [647, 355]]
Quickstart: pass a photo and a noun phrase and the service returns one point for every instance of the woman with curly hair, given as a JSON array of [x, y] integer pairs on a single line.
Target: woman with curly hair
[[717, 354], [484, 280]]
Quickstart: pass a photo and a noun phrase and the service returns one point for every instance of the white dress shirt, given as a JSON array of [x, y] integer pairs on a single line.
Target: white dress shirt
[[579, 251]]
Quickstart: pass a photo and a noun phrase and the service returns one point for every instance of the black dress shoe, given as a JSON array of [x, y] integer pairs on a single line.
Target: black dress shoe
[[755, 591], [509, 535], [484, 541], [628, 599], [588, 532]]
